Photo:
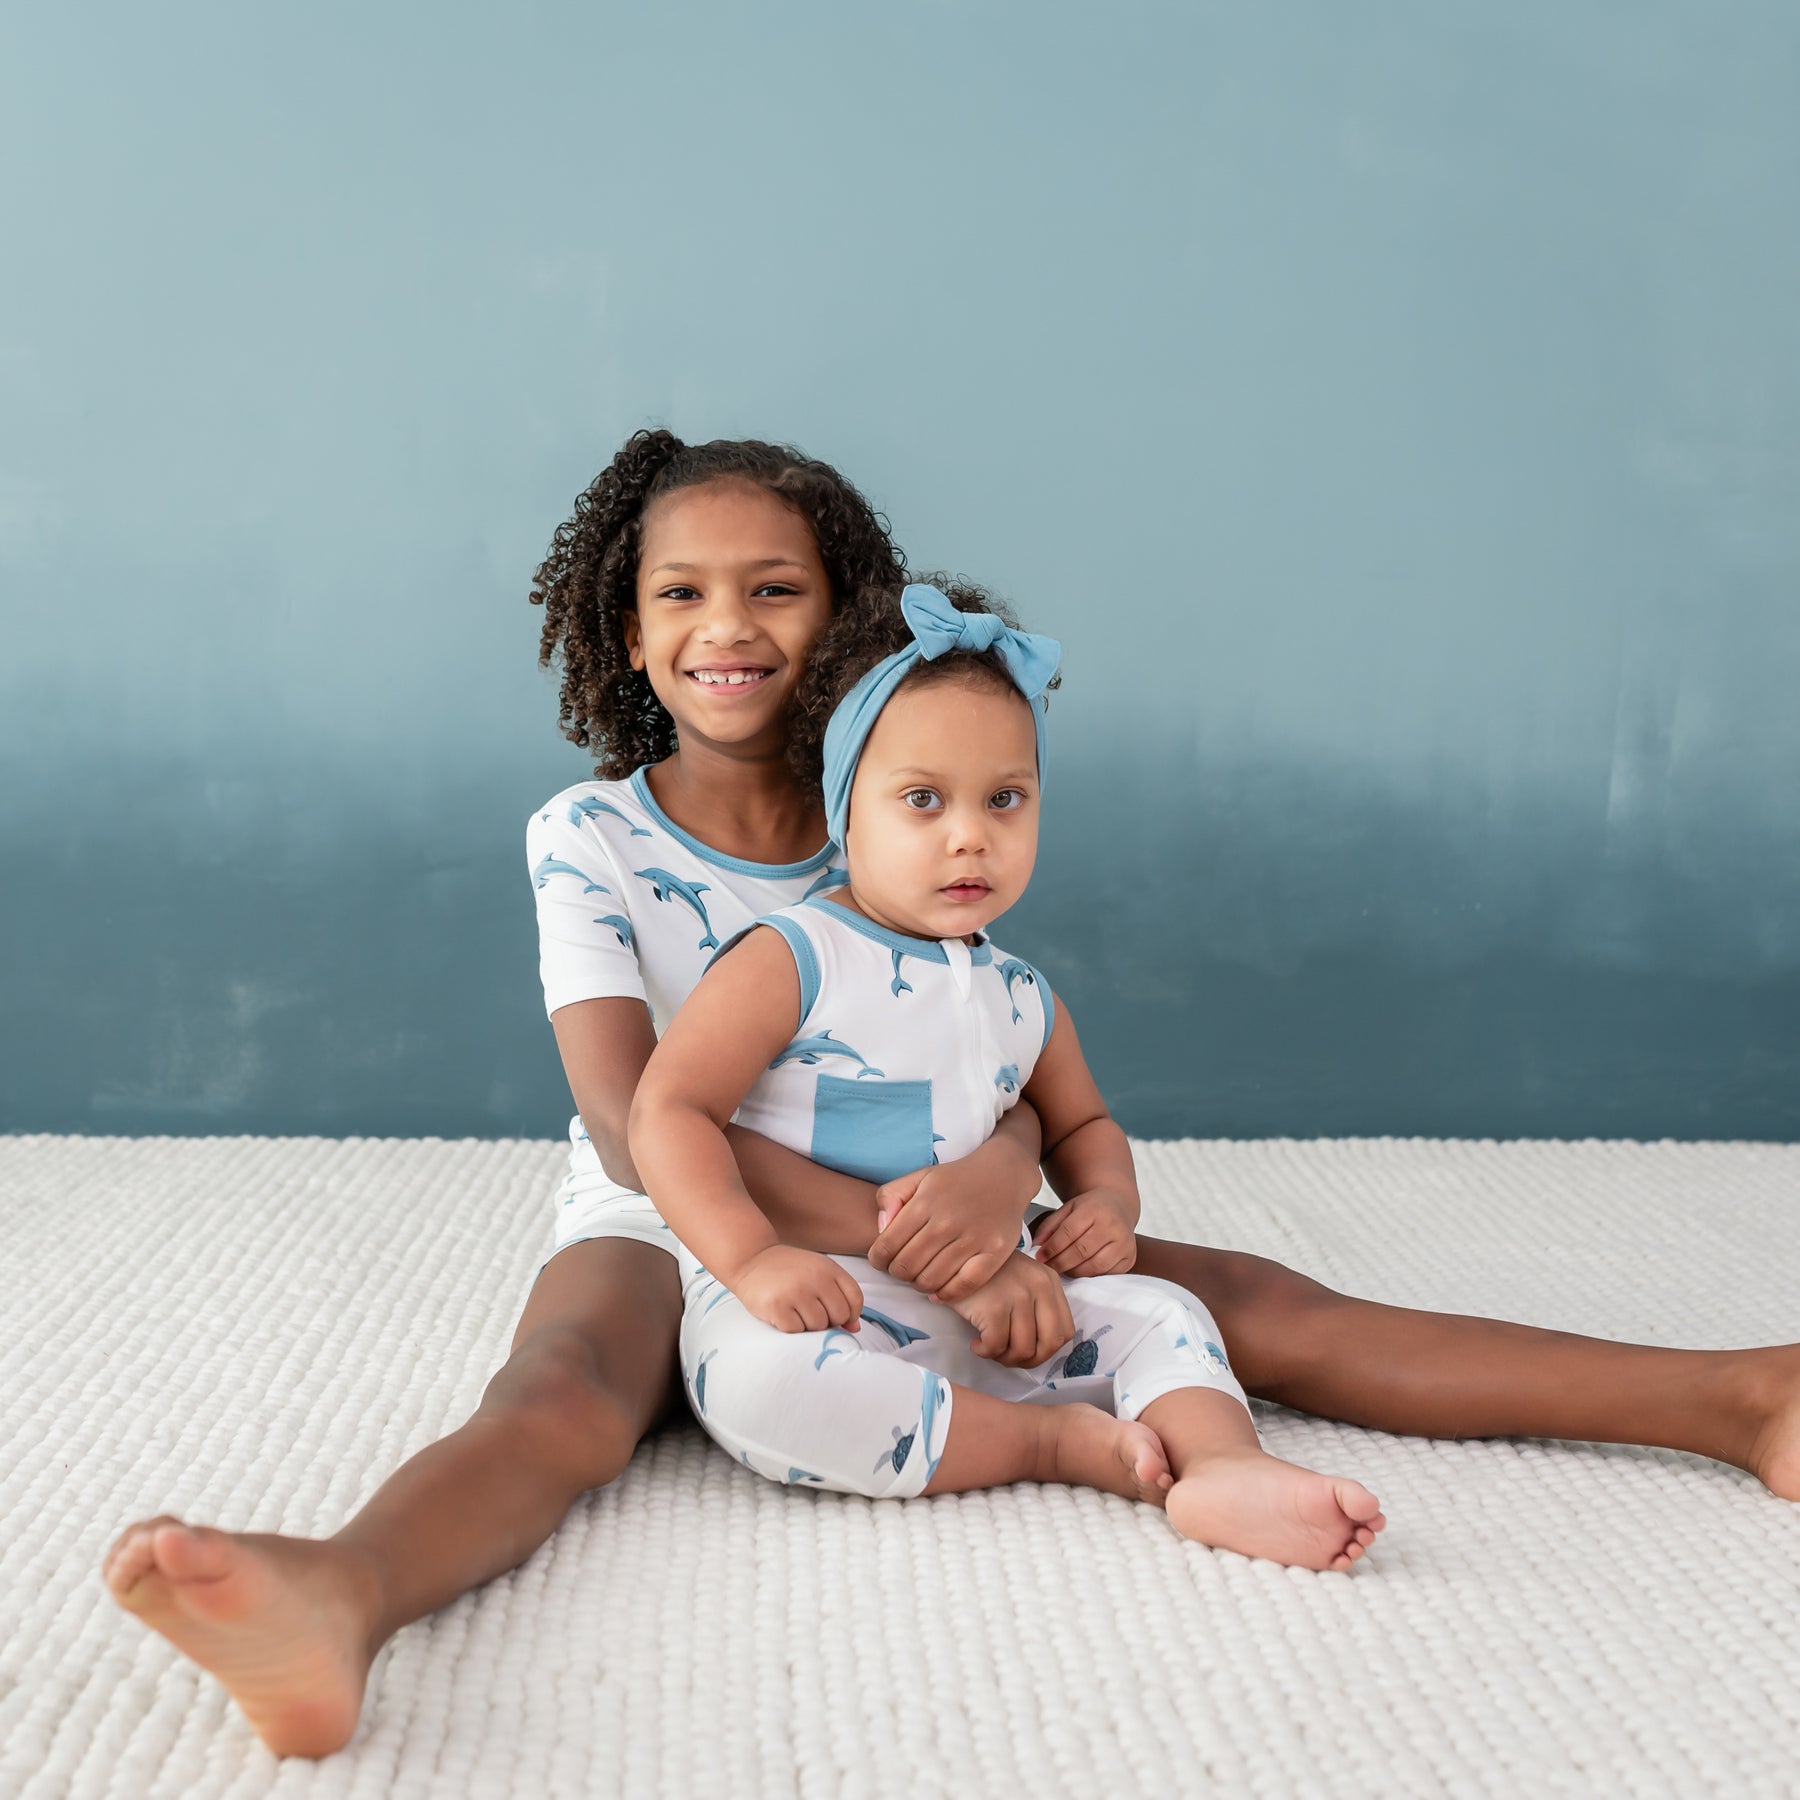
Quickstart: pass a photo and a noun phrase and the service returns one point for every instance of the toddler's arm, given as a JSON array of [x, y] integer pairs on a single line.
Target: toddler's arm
[[1087, 1161], [744, 1010]]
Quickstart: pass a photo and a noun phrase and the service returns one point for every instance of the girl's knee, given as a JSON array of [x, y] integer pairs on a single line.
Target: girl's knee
[[553, 1392]]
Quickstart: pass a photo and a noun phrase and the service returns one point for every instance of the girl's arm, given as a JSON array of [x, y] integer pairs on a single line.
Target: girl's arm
[[605, 1045], [1087, 1161], [741, 1015]]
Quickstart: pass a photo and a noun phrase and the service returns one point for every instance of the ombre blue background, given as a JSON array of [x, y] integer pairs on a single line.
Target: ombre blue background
[[1395, 409]]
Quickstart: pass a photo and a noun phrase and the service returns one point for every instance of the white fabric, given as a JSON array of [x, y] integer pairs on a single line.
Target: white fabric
[[908, 1050], [255, 1332], [868, 1412], [631, 906]]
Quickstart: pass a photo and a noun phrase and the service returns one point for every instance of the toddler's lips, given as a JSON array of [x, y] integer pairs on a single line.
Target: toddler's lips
[[966, 891]]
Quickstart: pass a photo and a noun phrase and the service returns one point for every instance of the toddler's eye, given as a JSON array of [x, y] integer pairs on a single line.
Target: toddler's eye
[[1007, 800], [920, 799]]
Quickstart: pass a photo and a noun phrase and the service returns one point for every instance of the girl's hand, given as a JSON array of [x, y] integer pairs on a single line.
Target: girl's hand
[[1021, 1316], [1089, 1234], [949, 1229], [798, 1290]]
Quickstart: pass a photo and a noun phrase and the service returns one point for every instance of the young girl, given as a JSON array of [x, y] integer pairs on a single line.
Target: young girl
[[684, 595], [933, 771]]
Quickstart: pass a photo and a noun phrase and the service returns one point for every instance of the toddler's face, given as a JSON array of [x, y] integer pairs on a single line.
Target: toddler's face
[[944, 810], [731, 594]]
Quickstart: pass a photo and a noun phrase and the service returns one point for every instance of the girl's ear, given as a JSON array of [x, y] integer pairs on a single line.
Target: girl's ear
[[634, 638]]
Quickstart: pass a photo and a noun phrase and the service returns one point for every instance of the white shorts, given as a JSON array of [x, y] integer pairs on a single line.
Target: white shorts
[[869, 1412], [590, 1204]]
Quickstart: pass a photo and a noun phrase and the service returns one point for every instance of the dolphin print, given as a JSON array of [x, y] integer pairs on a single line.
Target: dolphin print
[[552, 865], [809, 1050], [671, 887]]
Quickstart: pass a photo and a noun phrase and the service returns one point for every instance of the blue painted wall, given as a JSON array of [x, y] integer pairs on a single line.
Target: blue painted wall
[[1396, 410]]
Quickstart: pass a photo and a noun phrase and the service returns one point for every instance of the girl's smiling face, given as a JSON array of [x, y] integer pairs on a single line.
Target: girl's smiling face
[[943, 824], [731, 594]]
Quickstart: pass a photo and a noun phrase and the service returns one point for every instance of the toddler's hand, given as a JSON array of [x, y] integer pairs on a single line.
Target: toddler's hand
[[798, 1290], [1021, 1316], [1090, 1234]]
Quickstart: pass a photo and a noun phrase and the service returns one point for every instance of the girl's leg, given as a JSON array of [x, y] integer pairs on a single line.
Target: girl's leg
[[291, 1625], [1447, 1375]]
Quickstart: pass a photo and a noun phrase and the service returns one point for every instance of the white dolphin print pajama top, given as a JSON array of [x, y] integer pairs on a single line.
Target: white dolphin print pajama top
[[631, 906], [908, 1051]]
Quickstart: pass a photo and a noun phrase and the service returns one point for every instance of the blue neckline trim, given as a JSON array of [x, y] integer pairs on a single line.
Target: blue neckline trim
[[640, 786], [926, 949]]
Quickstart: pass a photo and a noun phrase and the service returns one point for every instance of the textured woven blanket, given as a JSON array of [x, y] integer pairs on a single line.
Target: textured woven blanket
[[253, 1332]]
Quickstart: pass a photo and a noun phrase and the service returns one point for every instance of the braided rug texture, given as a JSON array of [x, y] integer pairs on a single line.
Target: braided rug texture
[[253, 1332]]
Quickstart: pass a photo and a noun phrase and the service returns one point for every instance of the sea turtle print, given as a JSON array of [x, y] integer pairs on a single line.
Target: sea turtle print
[[1081, 1358]]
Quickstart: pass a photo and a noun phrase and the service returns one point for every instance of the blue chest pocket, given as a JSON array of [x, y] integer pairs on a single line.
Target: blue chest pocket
[[874, 1130]]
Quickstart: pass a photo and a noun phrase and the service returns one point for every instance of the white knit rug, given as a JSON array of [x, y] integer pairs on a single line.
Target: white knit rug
[[253, 1332]]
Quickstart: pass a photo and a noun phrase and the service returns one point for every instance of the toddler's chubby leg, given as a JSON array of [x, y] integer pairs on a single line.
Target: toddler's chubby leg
[[1171, 1371], [877, 1412]]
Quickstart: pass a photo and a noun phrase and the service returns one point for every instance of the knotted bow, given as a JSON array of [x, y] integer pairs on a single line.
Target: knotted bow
[[938, 627]]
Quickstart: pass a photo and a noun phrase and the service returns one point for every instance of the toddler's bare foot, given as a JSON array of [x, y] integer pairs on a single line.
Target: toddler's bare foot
[[1091, 1448], [283, 1622], [1774, 1387], [1258, 1505]]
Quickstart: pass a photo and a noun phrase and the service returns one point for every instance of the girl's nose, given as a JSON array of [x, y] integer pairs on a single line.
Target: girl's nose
[[726, 620]]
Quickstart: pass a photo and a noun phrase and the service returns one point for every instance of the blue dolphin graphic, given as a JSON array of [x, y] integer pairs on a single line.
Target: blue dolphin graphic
[[551, 865], [828, 1348], [809, 1050], [1007, 1081], [586, 809], [934, 1393], [621, 928], [899, 985], [721, 1296], [1013, 970], [700, 1381], [671, 887], [901, 1334], [794, 1475], [830, 879]]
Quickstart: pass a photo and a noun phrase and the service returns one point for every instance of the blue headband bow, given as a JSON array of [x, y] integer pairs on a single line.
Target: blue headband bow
[[937, 628]]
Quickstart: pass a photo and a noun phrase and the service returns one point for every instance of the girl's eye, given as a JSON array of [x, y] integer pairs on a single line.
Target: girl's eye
[[920, 799], [1007, 800], [679, 592], [775, 590]]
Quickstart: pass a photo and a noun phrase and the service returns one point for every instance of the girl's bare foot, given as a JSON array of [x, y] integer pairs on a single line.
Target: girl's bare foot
[[1773, 1383], [1090, 1448], [1258, 1505], [284, 1623]]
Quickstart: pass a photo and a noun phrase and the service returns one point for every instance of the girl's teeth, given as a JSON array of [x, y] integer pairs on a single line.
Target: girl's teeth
[[712, 680]]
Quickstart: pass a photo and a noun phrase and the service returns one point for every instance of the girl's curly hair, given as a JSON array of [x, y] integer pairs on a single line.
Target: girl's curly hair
[[859, 637], [588, 580]]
